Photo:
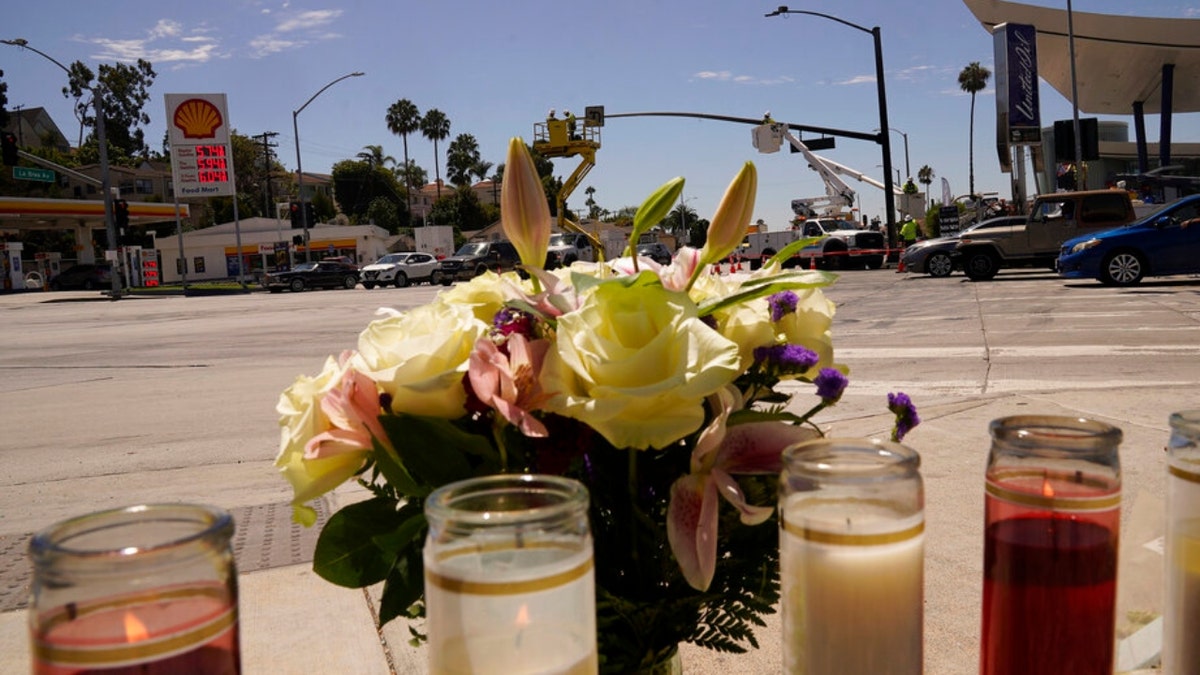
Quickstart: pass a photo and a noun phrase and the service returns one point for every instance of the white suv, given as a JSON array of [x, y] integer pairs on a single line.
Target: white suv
[[400, 269]]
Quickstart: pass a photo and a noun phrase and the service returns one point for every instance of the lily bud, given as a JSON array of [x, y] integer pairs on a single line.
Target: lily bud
[[732, 219], [654, 209], [524, 213]]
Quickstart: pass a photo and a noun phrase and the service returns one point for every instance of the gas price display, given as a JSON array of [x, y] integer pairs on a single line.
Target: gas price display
[[211, 164]]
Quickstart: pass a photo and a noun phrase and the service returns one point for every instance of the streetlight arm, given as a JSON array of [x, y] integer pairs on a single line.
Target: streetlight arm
[[322, 91], [784, 10]]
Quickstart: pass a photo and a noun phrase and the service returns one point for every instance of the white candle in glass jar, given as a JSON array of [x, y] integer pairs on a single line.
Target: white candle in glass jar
[[1181, 640], [499, 609], [852, 574]]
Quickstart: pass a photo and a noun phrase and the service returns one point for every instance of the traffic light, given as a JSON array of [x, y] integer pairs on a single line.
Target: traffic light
[[310, 214], [9, 141], [294, 209], [121, 213]]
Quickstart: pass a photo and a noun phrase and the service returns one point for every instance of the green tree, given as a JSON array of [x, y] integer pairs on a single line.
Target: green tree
[[679, 221], [436, 127], [461, 158], [412, 174], [593, 208], [403, 119], [481, 168], [126, 90], [973, 79], [357, 184], [374, 157], [925, 177]]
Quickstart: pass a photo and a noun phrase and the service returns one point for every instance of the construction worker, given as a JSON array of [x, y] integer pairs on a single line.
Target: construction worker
[[574, 135], [550, 115], [908, 232]]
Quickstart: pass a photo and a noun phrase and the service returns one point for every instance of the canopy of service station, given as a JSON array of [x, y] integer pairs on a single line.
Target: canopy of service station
[[1124, 65], [80, 216]]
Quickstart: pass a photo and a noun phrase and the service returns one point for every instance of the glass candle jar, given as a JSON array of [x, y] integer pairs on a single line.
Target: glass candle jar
[[143, 589], [509, 582], [852, 553], [1052, 517], [1181, 616]]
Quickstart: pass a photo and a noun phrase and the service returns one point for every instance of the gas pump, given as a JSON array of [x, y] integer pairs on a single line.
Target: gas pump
[[14, 276], [133, 265], [48, 264]]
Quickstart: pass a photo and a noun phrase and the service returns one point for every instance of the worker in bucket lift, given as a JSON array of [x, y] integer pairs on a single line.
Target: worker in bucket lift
[[570, 117], [550, 115]]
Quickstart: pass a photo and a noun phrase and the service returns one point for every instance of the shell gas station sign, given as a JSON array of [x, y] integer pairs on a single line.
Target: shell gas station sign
[[201, 157]]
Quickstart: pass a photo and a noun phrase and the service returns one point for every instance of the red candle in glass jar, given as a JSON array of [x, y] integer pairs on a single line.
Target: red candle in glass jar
[[149, 589], [1052, 518]]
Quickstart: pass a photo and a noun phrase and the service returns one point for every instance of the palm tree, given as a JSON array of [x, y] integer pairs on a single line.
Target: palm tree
[[591, 202], [436, 127], [461, 157], [374, 157], [403, 118], [925, 177], [973, 79]]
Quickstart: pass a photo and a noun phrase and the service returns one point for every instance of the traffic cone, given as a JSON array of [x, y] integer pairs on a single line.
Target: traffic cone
[[900, 267], [812, 263]]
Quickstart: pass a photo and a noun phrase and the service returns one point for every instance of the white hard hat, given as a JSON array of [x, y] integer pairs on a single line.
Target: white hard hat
[[551, 111]]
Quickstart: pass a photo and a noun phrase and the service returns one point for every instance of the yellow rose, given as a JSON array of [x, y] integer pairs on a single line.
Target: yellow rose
[[485, 294], [419, 357], [635, 362], [301, 418]]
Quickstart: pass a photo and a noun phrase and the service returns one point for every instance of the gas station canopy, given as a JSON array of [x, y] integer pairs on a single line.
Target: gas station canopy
[[1118, 59], [34, 214]]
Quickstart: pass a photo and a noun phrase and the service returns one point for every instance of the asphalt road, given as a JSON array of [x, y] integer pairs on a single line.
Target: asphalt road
[[104, 404]]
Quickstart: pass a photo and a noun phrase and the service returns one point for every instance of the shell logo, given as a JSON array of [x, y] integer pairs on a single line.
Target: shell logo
[[197, 118]]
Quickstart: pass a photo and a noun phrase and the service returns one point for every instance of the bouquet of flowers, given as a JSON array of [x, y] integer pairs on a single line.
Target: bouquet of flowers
[[654, 385]]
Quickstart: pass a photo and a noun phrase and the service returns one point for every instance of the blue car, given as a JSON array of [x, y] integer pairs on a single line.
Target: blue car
[[1163, 243]]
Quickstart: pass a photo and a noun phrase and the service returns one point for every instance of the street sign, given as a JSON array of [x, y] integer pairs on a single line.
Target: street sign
[[29, 173]]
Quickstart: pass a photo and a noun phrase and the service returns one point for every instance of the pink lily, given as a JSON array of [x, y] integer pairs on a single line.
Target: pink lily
[[752, 448], [509, 382], [353, 410]]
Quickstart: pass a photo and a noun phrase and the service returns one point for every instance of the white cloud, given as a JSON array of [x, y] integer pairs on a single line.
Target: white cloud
[[858, 79], [165, 42], [264, 45], [309, 19], [726, 76], [165, 28]]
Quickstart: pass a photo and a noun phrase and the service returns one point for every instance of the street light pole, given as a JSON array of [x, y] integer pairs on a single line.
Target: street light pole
[[300, 169], [882, 137], [102, 141]]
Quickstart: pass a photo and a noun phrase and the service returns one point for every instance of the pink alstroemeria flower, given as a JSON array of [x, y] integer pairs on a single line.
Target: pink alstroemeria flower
[[509, 382], [752, 448], [353, 410]]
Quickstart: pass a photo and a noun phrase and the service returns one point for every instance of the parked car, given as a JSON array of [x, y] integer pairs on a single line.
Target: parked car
[[84, 276], [319, 274], [1163, 243], [400, 269], [935, 256], [657, 251], [475, 258], [344, 259]]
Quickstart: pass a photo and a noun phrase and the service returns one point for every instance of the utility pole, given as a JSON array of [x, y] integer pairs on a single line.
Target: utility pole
[[267, 154]]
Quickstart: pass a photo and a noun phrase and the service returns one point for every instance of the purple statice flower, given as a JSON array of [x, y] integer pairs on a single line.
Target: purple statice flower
[[510, 320], [830, 385], [906, 415], [782, 304], [786, 358]]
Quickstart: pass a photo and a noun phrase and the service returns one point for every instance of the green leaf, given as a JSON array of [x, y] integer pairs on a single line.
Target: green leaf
[[791, 249], [757, 288], [434, 451], [347, 553], [656, 206], [404, 586]]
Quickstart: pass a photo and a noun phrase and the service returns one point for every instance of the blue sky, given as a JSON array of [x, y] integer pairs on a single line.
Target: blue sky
[[494, 68]]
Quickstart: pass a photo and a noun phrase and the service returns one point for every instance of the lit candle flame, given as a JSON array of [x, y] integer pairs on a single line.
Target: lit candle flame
[[523, 616], [1047, 489], [135, 630]]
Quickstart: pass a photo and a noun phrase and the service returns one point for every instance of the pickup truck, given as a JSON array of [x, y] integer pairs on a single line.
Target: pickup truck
[[842, 245], [1053, 219], [567, 247]]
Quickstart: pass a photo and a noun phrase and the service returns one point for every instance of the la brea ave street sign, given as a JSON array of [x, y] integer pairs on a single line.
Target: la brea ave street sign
[[30, 173]]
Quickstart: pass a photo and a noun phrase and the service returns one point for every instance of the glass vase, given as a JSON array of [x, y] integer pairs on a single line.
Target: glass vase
[[1181, 616], [144, 589], [1052, 517], [852, 556], [509, 580]]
